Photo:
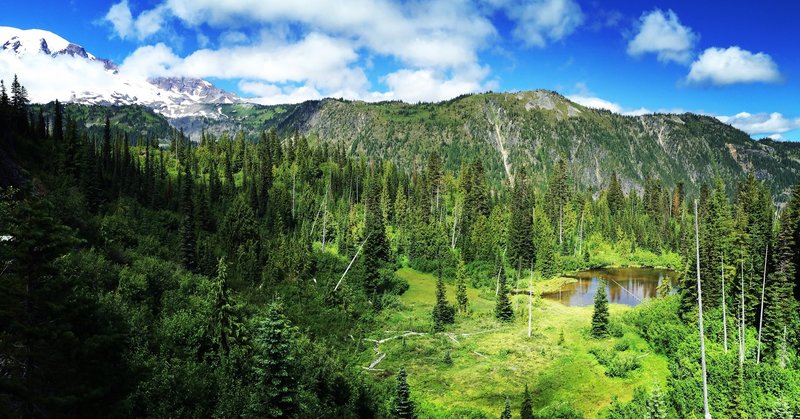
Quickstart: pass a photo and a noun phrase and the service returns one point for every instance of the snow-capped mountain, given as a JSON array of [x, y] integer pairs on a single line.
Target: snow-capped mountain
[[53, 68]]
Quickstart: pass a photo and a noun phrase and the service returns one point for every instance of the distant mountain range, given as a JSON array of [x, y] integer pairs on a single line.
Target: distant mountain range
[[170, 97]]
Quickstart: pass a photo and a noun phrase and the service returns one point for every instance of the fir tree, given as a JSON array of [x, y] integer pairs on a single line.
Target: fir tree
[[600, 314], [657, 405], [461, 287], [275, 392], [615, 196], [545, 240], [506, 411], [502, 309], [188, 244], [105, 152], [403, 406], [520, 245], [376, 247], [443, 312], [227, 326], [526, 412]]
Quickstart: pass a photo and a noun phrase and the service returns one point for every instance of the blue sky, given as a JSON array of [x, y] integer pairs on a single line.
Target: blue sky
[[735, 60]]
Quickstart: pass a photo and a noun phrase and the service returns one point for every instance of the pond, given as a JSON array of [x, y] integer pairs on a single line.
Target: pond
[[629, 286]]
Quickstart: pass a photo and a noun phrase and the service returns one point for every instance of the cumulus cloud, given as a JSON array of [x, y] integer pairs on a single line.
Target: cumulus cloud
[[541, 21], [762, 123], [433, 45], [142, 27], [595, 102], [718, 66], [663, 34]]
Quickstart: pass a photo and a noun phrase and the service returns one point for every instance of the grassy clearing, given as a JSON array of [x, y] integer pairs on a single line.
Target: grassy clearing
[[493, 360]]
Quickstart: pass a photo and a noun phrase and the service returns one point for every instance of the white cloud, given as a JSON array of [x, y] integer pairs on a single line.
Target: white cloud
[[541, 21], [663, 34], [271, 94], [432, 44], [777, 137], [145, 25], [762, 123], [595, 102], [733, 65], [121, 19], [427, 85]]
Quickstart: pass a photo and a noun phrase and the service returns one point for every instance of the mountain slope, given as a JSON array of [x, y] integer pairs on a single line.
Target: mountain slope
[[530, 129]]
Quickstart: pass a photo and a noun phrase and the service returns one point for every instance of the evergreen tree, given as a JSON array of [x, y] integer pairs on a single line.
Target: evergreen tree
[[545, 241], [227, 328], [461, 287], [600, 314], [105, 152], [779, 300], [615, 196], [520, 245], [506, 411], [188, 244], [443, 312], [657, 405], [275, 392], [502, 309], [58, 124], [526, 412], [403, 406], [376, 248]]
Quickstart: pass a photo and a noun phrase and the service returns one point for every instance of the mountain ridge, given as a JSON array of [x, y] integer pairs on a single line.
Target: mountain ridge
[[527, 130]]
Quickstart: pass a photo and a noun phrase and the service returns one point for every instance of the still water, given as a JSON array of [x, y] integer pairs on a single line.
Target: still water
[[629, 286]]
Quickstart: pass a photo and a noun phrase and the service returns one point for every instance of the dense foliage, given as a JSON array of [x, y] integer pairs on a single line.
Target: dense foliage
[[237, 276]]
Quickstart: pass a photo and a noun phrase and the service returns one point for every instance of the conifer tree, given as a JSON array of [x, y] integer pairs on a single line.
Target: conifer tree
[[227, 326], [105, 152], [779, 300], [545, 241], [461, 287], [502, 309], [506, 411], [526, 412], [520, 245], [615, 196], [376, 248], [657, 405], [188, 244], [600, 314], [443, 312], [275, 392], [403, 406]]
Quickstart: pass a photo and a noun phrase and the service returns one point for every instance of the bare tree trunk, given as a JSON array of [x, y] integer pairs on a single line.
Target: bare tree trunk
[[761, 314], [325, 217], [580, 237], [294, 176], [741, 327], [351, 263], [706, 412], [783, 348], [724, 316], [455, 219], [560, 229], [530, 301], [516, 285]]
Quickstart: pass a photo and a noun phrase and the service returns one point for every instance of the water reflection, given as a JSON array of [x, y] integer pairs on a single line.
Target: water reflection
[[629, 286]]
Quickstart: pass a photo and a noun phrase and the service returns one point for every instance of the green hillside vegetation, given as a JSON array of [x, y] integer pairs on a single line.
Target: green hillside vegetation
[[252, 274]]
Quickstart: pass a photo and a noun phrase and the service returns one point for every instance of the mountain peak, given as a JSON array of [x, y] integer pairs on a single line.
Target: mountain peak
[[172, 97]]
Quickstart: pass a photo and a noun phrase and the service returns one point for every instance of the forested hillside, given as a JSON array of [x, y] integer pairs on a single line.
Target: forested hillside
[[529, 131], [385, 261]]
